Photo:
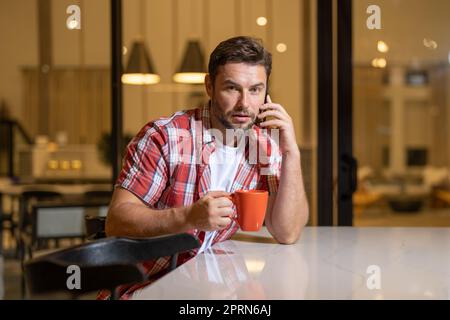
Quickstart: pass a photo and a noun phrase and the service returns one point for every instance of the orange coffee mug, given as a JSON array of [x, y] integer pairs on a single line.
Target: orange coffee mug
[[251, 208]]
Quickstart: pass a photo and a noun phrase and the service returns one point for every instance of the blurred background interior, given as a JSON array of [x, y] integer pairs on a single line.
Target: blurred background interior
[[55, 100]]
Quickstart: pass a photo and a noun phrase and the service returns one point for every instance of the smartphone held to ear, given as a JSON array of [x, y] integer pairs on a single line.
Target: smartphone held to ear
[[258, 120]]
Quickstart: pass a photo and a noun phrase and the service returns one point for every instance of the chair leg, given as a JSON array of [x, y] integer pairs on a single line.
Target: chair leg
[[21, 250]]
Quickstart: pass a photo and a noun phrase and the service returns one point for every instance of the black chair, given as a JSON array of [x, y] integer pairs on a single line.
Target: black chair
[[100, 212], [26, 199], [95, 227], [103, 264], [94, 194], [25, 216]]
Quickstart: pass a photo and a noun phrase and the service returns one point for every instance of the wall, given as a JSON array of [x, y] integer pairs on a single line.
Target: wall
[[18, 38]]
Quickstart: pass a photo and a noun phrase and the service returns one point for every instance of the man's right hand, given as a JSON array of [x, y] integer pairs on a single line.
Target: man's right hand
[[212, 212]]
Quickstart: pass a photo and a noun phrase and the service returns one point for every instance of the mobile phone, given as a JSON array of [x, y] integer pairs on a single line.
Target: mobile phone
[[258, 120]]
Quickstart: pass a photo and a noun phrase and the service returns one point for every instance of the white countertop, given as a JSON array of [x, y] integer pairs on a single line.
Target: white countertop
[[326, 263]]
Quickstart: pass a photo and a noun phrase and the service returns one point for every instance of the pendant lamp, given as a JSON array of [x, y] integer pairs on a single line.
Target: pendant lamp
[[192, 69], [140, 69]]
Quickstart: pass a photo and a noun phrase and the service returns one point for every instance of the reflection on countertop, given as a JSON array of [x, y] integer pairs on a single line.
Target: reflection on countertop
[[326, 263]]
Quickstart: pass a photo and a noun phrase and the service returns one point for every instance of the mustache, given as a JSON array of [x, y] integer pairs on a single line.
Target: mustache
[[241, 112]]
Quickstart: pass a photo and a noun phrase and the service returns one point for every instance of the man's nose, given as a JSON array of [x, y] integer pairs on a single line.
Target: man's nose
[[244, 99]]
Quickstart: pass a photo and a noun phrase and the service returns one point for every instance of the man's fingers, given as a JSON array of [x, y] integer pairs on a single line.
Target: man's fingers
[[269, 100], [223, 202], [273, 123], [225, 212], [273, 106], [218, 194], [272, 113], [224, 222]]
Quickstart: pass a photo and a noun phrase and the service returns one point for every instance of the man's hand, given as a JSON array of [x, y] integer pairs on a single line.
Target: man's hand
[[212, 212], [280, 119]]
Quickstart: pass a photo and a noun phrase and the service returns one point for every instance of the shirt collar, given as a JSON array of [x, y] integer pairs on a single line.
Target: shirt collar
[[206, 123]]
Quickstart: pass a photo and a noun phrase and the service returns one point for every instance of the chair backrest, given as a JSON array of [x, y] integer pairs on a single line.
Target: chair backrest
[[100, 211], [25, 200], [103, 264], [53, 223], [95, 227]]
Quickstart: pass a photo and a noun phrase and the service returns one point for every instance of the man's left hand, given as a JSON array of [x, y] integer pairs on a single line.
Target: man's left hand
[[281, 120]]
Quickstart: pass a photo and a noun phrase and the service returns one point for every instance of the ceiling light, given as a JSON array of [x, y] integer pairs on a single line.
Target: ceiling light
[[379, 63], [382, 47], [281, 47], [261, 21], [192, 69], [430, 44], [140, 69]]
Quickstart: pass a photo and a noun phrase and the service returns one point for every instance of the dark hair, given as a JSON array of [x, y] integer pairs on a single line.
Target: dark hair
[[239, 49]]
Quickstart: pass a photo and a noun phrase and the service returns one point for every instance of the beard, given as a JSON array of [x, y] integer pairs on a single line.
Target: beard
[[225, 118]]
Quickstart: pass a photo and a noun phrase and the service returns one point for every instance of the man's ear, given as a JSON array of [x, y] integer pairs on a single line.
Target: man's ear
[[208, 85]]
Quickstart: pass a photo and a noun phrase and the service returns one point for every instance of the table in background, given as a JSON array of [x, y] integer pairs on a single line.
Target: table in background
[[326, 263]]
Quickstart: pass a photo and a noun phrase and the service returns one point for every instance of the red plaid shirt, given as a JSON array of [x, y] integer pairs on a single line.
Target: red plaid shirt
[[166, 166]]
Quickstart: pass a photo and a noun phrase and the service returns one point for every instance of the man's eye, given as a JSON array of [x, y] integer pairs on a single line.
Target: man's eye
[[255, 90], [231, 88]]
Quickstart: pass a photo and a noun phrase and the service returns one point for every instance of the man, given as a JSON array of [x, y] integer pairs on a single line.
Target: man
[[165, 187]]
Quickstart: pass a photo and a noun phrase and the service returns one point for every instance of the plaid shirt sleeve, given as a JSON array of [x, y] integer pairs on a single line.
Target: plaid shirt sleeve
[[145, 165]]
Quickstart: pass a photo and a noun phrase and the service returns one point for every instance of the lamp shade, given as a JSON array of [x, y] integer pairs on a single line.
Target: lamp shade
[[192, 69], [140, 69]]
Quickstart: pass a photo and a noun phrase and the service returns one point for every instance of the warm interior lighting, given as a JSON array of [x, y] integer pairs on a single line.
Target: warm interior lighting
[[382, 47], [140, 78], [65, 165], [189, 77], [382, 63], [52, 164], [430, 44], [76, 164], [379, 63], [261, 21], [52, 147], [139, 70], [281, 47], [192, 69]]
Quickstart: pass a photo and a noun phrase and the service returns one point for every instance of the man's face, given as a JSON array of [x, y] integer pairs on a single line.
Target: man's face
[[236, 95]]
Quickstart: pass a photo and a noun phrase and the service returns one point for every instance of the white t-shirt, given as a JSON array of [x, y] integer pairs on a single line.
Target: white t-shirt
[[224, 163]]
